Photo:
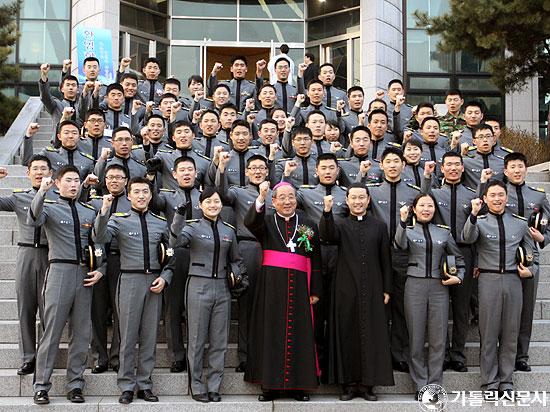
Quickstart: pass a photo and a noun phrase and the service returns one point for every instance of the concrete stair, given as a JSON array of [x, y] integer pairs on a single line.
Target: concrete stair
[[102, 392]]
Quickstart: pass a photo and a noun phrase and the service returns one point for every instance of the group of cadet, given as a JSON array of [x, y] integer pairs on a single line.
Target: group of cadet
[[144, 208]]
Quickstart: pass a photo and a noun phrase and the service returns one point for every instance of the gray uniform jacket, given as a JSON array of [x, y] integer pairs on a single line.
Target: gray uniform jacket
[[94, 145], [475, 163], [55, 106], [333, 94], [453, 204], [349, 171], [168, 156], [135, 166], [351, 120], [311, 200], [205, 145], [330, 115], [61, 157], [68, 226], [427, 245], [412, 174], [19, 202], [244, 88], [304, 174], [405, 113], [235, 168], [497, 238], [150, 90], [213, 247], [240, 199], [317, 146], [138, 236], [166, 201], [377, 146], [387, 198]]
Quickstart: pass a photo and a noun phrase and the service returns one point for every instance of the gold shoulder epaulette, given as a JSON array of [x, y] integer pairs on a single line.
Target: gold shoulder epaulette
[[158, 216], [192, 220], [50, 201], [519, 217], [373, 184], [51, 149], [121, 214], [89, 156], [167, 190], [470, 189], [307, 187], [443, 226], [413, 186], [137, 146], [89, 206], [230, 225], [21, 190], [538, 189]]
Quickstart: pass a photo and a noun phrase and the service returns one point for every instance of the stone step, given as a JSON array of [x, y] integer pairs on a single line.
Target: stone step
[[9, 237], [245, 403], [7, 289], [14, 182], [166, 383], [536, 177], [8, 253], [45, 122]]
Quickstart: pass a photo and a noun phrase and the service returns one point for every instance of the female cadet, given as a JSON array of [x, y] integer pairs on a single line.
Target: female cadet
[[213, 256], [426, 292]]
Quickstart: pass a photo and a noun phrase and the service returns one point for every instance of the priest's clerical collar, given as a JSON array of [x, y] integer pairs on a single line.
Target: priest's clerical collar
[[359, 217], [286, 218]]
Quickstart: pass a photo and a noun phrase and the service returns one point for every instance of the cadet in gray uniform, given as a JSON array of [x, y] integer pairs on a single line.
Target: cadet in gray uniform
[[327, 75], [453, 201], [167, 202], [240, 199], [316, 121], [139, 234], [431, 150], [380, 138], [396, 89], [32, 260], [315, 93], [240, 89], [426, 288], [412, 173], [387, 198], [359, 152], [67, 289], [104, 296], [182, 136], [482, 157], [214, 255], [150, 89], [236, 167], [68, 106], [123, 155], [209, 124], [525, 200], [68, 154], [95, 140], [497, 237], [299, 170], [286, 92], [356, 99]]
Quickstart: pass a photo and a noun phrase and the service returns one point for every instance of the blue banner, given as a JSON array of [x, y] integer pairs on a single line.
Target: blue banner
[[91, 42]]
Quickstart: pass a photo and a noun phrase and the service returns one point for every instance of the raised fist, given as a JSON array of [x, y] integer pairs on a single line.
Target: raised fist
[[477, 203], [44, 69], [66, 65], [32, 129], [290, 166], [125, 62], [364, 167], [46, 184], [404, 213], [328, 201], [107, 202], [486, 174], [429, 168], [105, 153], [3, 172], [217, 67], [261, 65], [300, 99], [263, 188]]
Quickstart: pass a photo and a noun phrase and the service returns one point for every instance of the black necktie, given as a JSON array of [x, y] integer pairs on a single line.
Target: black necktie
[[241, 169], [127, 105], [319, 146], [188, 209], [70, 159], [116, 120], [76, 226], [208, 147], [152, 90], [521, 203], [432, 152], [285, 102], [305, 171], [328, 190], [73, 117], [238, 95], [328, 97], [114, 205], [95, 147]]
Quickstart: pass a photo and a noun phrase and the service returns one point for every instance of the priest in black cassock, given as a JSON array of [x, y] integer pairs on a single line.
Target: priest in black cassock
[[359, 346], [281, 343]]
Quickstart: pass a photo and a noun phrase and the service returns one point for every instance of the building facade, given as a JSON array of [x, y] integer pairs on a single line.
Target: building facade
[[369, 42]]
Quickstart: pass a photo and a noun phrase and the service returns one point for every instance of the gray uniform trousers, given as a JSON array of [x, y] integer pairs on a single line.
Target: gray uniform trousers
[[139, 312], [529, 287], [65, 299], [104, 297], [460, 304], [30, 270], [208, 305], [399, 336], [426, 304], [500, 300], [174, 305], [251, 252]]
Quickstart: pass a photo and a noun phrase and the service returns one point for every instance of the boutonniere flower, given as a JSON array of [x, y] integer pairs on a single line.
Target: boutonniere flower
[[306, 235], [170, 252], [98, 252]]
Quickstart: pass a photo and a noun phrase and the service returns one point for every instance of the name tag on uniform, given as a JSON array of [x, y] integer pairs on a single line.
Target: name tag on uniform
[[232, 170], [133, 233], [489, 236], [66, 222], [418, 240], [206, 237], [442, 204], [382, 202]]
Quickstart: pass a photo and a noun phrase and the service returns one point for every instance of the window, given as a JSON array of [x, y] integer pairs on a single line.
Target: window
[[143, 21], [44, 41], [185, 62], [223, 30], [317, 8], [422, 54], [274, 9], [335, 25], [209, 8], [278, 31], [45, 9], [339, 60]]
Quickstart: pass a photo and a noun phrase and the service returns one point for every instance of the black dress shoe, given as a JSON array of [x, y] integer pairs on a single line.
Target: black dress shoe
[[27, 368], [115, 368], [201, 397], [126, 398], [521, 366], [267, 396], [147, 395], [76, 396], [178, 366], [458, 366], [369, 395], [401, 366], [99, 369], [301, 396], [446, 365], [41, 398], [416, 396], [348, 394], [241, 368], [214, 397]]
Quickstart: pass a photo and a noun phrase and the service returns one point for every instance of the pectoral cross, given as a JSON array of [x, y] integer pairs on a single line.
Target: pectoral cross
[[291, 245]]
